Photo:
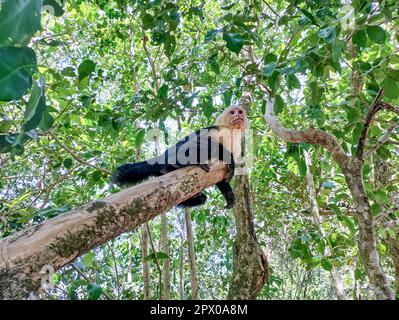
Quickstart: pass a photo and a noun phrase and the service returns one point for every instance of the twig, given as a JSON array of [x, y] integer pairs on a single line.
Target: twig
[[76, 157], [106, 294]]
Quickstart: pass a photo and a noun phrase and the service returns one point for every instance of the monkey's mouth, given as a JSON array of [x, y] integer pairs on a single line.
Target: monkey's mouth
[[238, 121]]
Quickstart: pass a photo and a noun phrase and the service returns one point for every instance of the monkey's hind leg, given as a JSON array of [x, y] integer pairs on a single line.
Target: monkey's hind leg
[[197, 200], [227, 193]]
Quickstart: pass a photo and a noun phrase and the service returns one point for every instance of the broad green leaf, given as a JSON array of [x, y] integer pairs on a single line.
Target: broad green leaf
[[94, 291], [88, 259], [170, 45], [17, 66], [326, 264], [68, 163], [148, 21], [359, 38], [163, 91], [234, 41], [279, 105], [292, 82], [269, 69], [86, 68], [328, 34], [376, 34], [139, 138], [391, 88], [19, 21], [35, 109]]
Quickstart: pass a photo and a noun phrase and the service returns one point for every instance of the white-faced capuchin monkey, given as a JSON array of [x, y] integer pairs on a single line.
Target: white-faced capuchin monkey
[[204, 147]]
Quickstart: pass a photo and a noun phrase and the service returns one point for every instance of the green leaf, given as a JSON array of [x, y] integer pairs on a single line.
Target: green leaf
[[211, 35], [19, 21], [35, 109], [376, 34], [159, 256], [139, 138], [68, 162], [279, 105], [391, 89], [148, 21], [227, 95], [17, 66], [329, 34], [163, 91], [47, 121], [86, 68], [5, 124], [234, 41], [381, 196], [212, 60], [170, 45], [292, 82], [269, 69], [326, 264], [88, 259], [94, 291], [359, 38]]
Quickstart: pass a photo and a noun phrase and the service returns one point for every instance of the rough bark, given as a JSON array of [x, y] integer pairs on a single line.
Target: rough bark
[[191, 255], [52, 244], [250, 267], [314, 208], [352, 169], [181, 268], [166, 262], [393, 245], [145, 245]]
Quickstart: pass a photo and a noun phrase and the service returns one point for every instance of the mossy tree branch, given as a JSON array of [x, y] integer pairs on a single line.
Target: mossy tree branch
[[52, 244]]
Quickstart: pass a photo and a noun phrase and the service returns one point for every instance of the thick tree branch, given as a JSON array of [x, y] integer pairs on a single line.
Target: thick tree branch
[[311, 136], [56, 242]]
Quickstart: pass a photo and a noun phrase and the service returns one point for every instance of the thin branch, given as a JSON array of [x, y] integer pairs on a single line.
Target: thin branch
[[156, 261], [384, 139], [105, 293], [76, 157], [375, 107]]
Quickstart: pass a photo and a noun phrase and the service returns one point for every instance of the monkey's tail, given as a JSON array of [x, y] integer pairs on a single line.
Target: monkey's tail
[[131, 173]]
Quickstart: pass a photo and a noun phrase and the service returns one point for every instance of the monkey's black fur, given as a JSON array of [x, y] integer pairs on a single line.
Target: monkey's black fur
[[167, 162]]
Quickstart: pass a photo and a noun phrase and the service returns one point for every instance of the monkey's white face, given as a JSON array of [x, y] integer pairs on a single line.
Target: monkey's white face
[[237, 118]]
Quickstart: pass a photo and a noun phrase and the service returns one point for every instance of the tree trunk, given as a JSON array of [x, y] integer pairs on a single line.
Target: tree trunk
[[335, 276], [352, 168], [166, 262], [366, 242], [250, 267], [181, 266], [145, 244], [191, 255], [30, 255]]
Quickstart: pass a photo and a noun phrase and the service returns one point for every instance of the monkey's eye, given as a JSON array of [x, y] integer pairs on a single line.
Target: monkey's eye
[[231, 112], [240, 111]]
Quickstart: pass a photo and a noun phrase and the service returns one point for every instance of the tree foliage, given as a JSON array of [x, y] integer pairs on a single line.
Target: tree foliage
[[79, 94]]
